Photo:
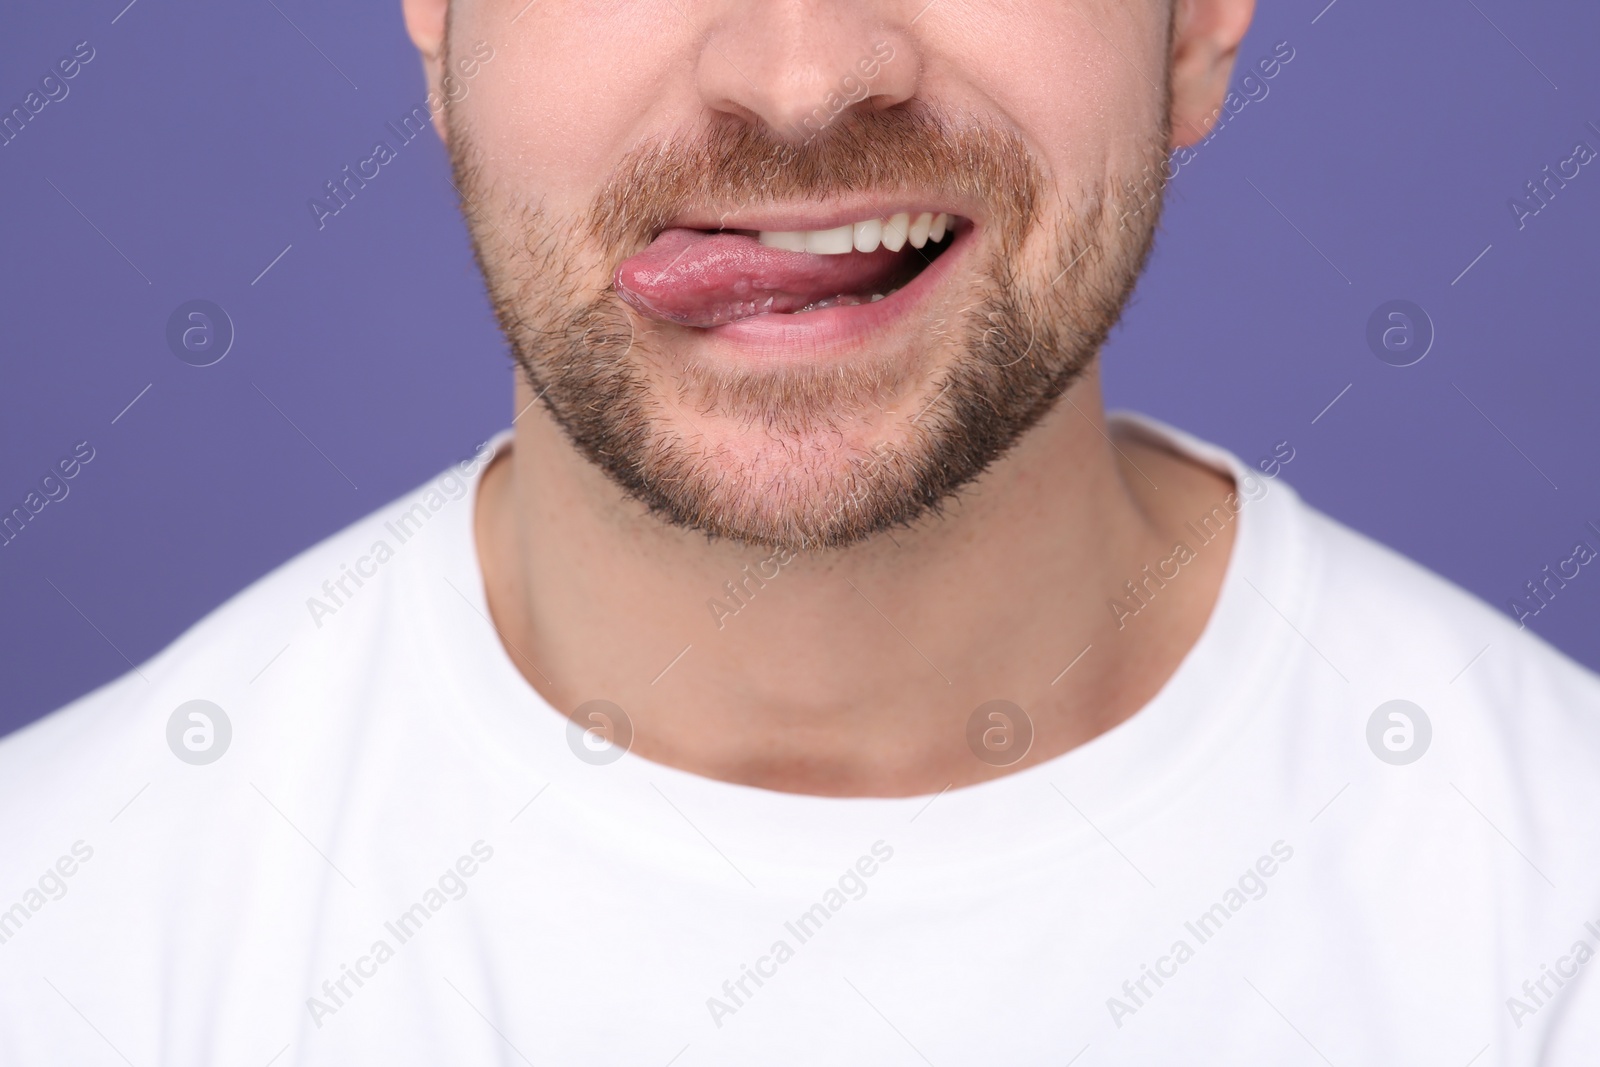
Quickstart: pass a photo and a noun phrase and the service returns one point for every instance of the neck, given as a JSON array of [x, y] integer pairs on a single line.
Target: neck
[[857, 671]]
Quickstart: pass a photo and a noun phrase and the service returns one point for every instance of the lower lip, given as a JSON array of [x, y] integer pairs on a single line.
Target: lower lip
[[837, 331]]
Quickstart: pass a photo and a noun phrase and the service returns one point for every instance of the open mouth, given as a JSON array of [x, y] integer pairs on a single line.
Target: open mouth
[[707, 278]]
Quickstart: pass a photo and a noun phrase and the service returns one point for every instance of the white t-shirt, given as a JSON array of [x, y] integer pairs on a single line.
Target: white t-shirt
[[398, 857]]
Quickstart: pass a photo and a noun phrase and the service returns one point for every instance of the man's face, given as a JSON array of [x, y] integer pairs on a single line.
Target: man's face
[[710, 229]]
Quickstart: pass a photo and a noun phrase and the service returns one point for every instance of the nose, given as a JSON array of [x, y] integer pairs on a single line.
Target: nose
[[798, 66]]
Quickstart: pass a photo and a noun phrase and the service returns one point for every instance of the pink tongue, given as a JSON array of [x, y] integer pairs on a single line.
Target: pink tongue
[[694, 278]]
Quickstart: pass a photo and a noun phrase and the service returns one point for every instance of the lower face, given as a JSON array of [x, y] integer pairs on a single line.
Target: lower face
[[802, 342]]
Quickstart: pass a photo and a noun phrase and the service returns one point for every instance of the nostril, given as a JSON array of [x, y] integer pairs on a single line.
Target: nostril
[[795, 75]]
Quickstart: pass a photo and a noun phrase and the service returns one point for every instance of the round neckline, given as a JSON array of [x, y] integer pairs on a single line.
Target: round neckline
[[1114, 779]]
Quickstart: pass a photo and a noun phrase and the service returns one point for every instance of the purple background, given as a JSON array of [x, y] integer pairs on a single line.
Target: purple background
[[1382, 161]]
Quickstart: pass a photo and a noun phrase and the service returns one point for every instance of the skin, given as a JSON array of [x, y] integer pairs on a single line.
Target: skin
[[853, 672]]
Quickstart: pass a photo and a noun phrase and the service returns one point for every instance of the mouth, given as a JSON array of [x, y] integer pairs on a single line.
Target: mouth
[[710, 278]]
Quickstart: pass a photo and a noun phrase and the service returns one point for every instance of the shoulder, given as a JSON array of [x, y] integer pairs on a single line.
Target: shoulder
[[1395, 618], [1445, 760], [270, 665], [1511, 725], [187, 812]]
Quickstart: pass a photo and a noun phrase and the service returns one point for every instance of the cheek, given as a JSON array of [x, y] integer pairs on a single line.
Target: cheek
[[1081, 81], [571, 88]]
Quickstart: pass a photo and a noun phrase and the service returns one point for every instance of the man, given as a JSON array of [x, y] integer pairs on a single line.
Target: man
[[815, 674]]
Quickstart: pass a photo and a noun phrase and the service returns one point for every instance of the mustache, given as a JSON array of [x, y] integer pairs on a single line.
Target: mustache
[[1024, 335], [729, 164]]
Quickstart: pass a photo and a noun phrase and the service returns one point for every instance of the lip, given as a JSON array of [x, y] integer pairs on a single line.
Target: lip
[[812, 217], [836, 333]]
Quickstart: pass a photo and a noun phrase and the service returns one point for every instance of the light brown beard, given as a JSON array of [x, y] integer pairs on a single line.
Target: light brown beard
[[1012, 346]]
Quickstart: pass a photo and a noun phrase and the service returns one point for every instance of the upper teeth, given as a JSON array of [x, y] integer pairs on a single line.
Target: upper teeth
[[892, 232]]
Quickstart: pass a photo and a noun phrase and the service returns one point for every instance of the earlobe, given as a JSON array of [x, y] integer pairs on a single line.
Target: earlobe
[[1205, 42], [425, 22]]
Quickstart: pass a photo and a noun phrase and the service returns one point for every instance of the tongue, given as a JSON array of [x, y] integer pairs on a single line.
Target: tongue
[[694, 278]]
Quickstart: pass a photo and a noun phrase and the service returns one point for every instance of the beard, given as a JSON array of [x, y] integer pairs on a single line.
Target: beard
[[803, 456]]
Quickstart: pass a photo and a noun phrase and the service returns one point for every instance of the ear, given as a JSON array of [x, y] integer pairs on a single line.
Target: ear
[[425, 22], [1205, 42]]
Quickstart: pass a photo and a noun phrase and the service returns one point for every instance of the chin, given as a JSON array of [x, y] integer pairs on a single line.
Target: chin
[[815, 488]]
